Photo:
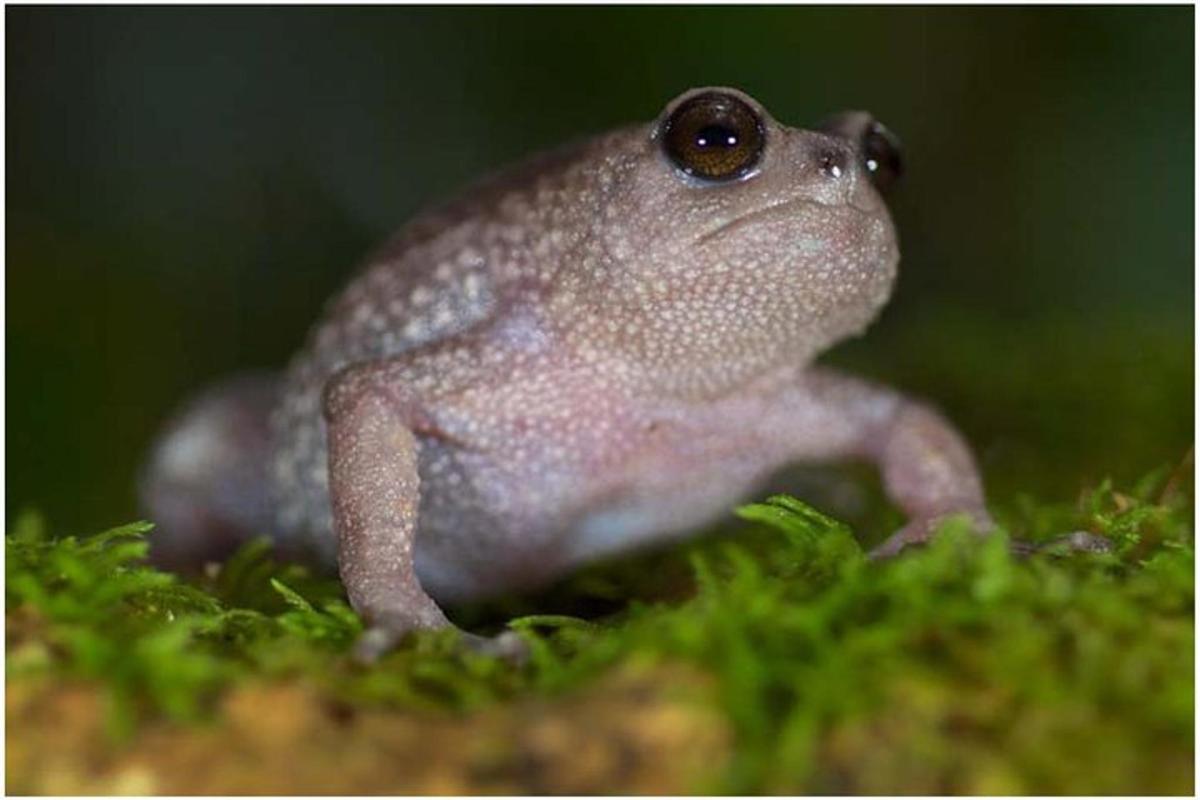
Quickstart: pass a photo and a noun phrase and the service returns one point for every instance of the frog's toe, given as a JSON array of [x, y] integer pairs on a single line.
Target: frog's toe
[[1076, 542], [920, 531], [507, 646], [379, 640], [376, 642], [1067, 544], [905, 537], [386, 631]]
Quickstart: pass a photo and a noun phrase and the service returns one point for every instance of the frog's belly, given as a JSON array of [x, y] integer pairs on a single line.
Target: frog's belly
[[486, 530], [637, 519]]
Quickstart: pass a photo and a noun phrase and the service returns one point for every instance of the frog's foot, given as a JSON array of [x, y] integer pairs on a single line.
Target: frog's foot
[[375, 642], [385, 630], [384, 636], [920, 531], [381, 637], [1068, 543], [507, 646]]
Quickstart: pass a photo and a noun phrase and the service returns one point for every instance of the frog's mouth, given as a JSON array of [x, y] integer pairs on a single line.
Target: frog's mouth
[[782, 208]]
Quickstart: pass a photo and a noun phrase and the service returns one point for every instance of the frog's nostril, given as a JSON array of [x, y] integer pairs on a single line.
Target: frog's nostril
[[832, 163]]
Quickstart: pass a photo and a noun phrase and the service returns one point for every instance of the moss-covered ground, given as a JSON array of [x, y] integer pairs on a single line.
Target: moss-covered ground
[[767, 657]]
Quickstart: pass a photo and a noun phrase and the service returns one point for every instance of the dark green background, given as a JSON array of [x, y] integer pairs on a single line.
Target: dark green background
[[187, 186]]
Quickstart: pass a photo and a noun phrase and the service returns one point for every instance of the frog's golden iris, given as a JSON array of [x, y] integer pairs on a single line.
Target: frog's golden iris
[[714, 136]]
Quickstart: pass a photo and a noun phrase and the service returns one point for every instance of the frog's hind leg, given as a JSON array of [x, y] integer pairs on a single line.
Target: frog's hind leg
[[206, 483]]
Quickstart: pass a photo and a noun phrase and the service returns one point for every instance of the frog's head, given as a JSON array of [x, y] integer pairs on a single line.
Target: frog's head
[[726, 243]]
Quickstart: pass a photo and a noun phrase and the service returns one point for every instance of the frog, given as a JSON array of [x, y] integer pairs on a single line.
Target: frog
[[601, 349]]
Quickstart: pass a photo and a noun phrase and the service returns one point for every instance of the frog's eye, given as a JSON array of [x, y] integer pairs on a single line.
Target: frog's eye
[[714, 136], [881, 156]]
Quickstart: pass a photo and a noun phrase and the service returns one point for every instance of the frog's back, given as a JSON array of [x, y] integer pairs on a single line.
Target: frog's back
[[448, 270], [262, 466]]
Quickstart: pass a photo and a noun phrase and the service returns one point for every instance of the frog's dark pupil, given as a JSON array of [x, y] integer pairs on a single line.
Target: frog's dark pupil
[[881, 153], [716, 136]]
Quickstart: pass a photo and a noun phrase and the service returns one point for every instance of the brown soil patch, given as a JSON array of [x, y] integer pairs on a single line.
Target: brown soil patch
[[644, 731]]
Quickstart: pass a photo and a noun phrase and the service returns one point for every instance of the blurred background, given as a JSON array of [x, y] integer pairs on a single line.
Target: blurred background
[[186, 187]]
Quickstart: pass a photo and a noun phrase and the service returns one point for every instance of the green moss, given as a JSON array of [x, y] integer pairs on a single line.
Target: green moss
[[954, 668]]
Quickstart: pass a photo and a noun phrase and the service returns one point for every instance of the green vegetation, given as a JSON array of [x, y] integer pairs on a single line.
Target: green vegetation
[[766, 656], [957, 668]]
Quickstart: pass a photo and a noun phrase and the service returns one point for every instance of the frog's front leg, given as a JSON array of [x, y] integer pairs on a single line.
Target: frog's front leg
[[926, 466], [374, 489]]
